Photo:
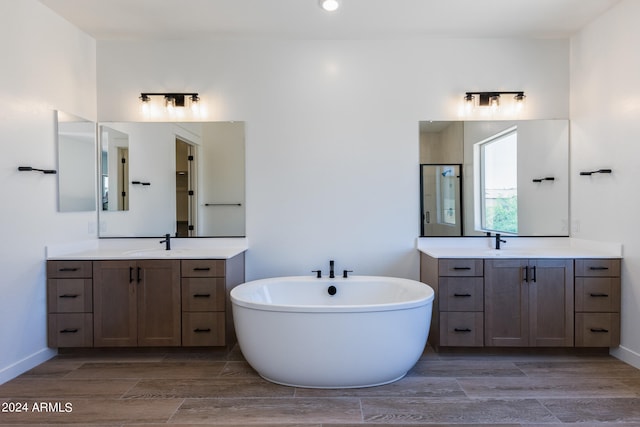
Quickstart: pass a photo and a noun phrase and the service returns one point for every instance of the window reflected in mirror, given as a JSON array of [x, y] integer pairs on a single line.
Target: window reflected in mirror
[[497, 162]]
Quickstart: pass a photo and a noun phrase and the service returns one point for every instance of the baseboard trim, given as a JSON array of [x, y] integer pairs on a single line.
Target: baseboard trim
[[21, 366], [626, 355]]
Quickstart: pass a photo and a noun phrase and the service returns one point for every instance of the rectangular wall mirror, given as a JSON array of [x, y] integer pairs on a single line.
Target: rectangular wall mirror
[[76, 146], [186, 179], [513, 178]]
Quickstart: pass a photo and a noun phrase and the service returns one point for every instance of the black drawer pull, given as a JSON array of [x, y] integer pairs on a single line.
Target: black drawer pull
[[69, 331], [461, 295], [598, 295], [201, 295], [598, 268], [69, 269], [69, 296], [201, 269], [599, 330], [462, 268], [200, 330], [462, 330]]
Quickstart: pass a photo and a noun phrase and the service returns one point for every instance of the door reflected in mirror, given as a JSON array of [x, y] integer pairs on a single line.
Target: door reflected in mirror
[[441, 187], [114, 169], [76, 146]]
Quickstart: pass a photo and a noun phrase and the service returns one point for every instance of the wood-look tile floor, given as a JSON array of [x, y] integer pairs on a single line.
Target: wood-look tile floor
[[123, 389]]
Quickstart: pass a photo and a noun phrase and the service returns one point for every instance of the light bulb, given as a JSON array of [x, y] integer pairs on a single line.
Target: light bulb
[[329, 5]]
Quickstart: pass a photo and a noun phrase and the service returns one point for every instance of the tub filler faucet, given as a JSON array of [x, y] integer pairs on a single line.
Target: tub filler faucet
[[167, 241]]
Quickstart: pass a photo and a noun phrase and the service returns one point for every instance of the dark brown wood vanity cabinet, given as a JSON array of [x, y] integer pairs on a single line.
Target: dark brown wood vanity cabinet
[[142, 303], [69, 304], [203, 303], [597, 303], [136, 303], [207, 318], [458, 308], [529, 302]]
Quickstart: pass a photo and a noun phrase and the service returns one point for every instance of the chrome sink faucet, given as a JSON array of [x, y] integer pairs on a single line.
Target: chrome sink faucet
[[167, 241]]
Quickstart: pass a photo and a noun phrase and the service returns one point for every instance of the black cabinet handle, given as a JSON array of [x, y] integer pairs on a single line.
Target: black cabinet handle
[[526, 274], [599, 330], [462, 330], [534, 274], [69, 331], [69, 296], [201, 295], [201, 269], [68, 269], [462, 268], [598, 268], [139, 280], [201, 330], [595, 295], [461, 295], [130, 274]]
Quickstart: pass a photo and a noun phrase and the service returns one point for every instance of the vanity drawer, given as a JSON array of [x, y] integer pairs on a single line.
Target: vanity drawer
[[462, 329], [203, 268], [597, 330], [69, 269], [203, 294], [69, 295], [597, 294], [598, 267], [203, 329], [461, 294], [70, 330], [460, 267]]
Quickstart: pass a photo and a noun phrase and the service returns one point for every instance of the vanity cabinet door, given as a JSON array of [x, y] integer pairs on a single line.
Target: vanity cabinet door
[[551, 302], [158, 301], [137, 303], [529, 302], [506, 303], [115, 304]]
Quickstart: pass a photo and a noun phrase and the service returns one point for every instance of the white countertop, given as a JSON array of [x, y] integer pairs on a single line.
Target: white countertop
[[517, 247], [148, 248]]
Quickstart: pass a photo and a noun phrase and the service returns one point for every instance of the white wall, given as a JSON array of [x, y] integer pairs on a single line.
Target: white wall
[[332, 129], [47, 65], [605, 107]]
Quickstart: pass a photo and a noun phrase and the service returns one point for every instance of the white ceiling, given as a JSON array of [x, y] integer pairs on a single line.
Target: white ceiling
[[300, 19]]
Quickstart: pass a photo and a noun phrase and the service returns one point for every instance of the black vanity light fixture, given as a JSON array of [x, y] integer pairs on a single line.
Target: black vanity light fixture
[[29, 169], [173, 99], [491, 99]]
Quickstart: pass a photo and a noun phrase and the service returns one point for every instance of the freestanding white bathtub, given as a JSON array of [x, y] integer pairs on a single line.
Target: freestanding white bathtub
[[371, 331]]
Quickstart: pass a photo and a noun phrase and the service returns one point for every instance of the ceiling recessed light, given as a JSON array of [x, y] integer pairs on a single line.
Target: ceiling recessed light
[[329, 5]]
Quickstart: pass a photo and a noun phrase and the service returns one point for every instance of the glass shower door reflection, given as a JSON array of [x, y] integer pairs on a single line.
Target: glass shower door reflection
[[441, 203]]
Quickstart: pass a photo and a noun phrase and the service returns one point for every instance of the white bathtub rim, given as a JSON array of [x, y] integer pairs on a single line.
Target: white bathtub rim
[[329, 308]]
